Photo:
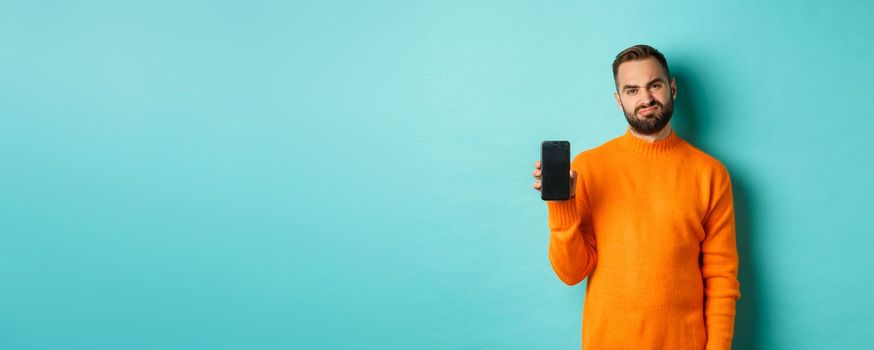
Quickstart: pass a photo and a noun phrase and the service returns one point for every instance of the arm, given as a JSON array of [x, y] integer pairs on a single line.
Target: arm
[[572, 248], [719, 265]]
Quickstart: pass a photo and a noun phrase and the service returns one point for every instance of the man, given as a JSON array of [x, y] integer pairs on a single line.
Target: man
[[651, 224]]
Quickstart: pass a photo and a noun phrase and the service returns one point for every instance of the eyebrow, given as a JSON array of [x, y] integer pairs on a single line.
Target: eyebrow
[[626, 87]]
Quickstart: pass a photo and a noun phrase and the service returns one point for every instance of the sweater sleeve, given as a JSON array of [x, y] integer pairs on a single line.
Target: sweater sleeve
[[719, 265], [572, 249]]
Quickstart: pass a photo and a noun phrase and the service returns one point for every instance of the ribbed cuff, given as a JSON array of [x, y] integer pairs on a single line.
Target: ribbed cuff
[[563, 214]]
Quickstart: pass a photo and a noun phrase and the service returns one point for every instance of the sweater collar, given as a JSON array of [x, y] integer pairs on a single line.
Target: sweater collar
[[663, 146]]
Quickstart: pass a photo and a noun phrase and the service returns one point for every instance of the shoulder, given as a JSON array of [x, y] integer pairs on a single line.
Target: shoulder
[[594, 154], [706, 164]]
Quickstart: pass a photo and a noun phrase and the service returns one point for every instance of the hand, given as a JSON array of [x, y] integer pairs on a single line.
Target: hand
[[537, 173]]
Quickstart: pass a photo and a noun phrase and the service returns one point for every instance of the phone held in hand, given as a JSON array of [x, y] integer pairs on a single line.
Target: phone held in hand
[[555, 166]]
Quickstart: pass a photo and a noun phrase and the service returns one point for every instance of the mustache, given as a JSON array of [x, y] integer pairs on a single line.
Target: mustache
[[654, 103]]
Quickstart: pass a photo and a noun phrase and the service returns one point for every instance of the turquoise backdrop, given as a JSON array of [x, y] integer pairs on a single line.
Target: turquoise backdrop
[[357, 175]]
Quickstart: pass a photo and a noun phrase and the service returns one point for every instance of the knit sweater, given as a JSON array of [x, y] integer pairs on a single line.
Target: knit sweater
[[652, 227]]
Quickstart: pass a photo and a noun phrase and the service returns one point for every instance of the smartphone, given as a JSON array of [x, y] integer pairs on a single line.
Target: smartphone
[[555, 166]]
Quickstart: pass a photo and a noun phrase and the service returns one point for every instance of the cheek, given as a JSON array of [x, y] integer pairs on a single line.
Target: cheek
[[666, 96]]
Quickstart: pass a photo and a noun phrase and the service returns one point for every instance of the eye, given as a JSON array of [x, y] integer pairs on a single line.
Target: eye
[[631, 91], [656, 85]]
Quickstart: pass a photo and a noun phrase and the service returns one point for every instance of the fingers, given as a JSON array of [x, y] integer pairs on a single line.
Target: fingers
[[536, 173]]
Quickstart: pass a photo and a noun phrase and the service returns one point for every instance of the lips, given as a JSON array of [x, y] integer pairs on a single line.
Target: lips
[[648, 110]]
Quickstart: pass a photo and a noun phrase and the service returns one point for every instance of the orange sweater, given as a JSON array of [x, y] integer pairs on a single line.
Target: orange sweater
[[652, 227]]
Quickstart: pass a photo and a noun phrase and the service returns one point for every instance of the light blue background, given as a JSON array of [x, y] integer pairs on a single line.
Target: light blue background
[[274, 175]]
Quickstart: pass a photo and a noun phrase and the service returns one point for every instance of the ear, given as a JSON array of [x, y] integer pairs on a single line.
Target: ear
[[673, 88], [618, 100]]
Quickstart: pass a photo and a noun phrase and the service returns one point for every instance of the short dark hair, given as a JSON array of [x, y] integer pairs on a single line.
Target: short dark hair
[[639, 52]]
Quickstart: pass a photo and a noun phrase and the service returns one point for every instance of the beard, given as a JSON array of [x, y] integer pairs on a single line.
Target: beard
[[652, 123]]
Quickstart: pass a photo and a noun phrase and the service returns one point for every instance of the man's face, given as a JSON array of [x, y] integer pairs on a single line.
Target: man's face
[[645, 95]]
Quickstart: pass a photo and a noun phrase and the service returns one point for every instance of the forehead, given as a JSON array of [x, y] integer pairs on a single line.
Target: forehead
[[638, 72]]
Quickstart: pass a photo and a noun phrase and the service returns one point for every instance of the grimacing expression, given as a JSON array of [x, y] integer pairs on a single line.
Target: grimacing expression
[[645, 95]]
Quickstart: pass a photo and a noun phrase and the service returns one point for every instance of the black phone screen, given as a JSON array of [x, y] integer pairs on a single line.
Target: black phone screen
[[555, 158]]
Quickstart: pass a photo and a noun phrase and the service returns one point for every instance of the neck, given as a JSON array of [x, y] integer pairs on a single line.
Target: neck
[[663, 133]]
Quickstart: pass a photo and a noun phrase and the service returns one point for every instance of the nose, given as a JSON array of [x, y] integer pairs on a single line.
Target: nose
[[646, 97]]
